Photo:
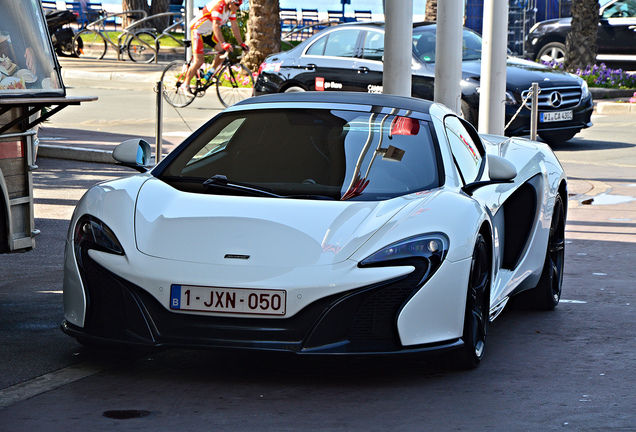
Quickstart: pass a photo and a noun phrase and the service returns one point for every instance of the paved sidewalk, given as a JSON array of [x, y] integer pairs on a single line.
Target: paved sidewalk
[[107, 69], [607, 102]]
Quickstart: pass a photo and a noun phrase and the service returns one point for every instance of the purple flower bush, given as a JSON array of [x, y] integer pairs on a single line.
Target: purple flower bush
[[602, 76]]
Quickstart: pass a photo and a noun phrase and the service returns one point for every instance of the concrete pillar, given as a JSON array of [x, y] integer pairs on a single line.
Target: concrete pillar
[[189, 15], [398, 52], [492, 89], [448, 54]]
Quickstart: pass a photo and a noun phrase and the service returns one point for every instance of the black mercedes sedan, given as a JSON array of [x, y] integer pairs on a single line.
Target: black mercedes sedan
[[615, 40], [349, 57]]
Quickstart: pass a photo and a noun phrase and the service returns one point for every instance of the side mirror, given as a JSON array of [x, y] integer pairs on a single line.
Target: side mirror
[[134, 153], [500, 170]]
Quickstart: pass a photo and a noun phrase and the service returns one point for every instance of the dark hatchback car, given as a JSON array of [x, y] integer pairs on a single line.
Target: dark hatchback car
[[616, 39], [349, 58]]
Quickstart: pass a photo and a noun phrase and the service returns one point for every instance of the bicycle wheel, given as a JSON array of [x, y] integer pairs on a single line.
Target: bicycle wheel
[[172, 78], [233, 84], [141, 47], [88, 44]]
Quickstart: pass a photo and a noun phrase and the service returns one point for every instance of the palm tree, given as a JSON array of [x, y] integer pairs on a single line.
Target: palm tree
[[580, 43], [430, 14], [263, 32]]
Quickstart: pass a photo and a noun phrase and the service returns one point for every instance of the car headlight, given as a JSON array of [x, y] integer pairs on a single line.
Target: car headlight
[[510, 98], [430, 249], [92, 233], [585, 90]]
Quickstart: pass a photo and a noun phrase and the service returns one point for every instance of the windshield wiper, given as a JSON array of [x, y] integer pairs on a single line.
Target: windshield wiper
[[220, 181]]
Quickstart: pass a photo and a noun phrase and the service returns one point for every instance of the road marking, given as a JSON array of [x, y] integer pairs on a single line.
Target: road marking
[[51, 381], [572, 301]]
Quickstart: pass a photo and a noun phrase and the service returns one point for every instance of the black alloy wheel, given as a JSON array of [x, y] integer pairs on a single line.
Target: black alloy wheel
[[547, 293], [477, 308]]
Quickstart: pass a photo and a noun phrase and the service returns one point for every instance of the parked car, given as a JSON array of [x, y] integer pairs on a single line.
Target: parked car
[[349, 58], [319, 223], [616, 40]]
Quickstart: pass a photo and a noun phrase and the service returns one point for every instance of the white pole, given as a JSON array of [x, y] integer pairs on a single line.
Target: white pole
[[448, 54], [492, 89], [398, 52], [189, 14]]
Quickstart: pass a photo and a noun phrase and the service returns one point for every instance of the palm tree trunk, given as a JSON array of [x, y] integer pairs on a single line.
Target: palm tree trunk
[[263, 32], [580, 43], [430, 14]]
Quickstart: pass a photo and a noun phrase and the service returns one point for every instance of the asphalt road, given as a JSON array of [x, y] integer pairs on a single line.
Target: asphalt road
[[570, 369]]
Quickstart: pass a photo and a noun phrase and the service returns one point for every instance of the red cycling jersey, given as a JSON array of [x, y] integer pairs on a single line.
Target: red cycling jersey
[[201, 24]]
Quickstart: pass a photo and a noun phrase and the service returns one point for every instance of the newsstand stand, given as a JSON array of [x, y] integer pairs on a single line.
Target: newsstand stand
[[31, 90]]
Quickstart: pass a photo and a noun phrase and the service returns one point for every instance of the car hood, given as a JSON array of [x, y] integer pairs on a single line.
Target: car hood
[[215, 229], [520, 74]]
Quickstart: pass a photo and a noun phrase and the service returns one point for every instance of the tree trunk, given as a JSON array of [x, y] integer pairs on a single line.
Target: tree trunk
[[430, 14], [160, 6], [155, 7], [580, 43], [263, 32]]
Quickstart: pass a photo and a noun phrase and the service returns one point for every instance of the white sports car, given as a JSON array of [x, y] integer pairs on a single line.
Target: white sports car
[[319, 223]]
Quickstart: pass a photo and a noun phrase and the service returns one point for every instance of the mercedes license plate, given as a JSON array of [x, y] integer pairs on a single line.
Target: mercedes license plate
[[555, 116], [228, 300]]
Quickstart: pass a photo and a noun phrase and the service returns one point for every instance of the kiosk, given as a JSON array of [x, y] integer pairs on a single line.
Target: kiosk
[[31, 90]]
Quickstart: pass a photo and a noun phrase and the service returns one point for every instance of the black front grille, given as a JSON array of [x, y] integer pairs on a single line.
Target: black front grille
[[555, 98], [358, 321]]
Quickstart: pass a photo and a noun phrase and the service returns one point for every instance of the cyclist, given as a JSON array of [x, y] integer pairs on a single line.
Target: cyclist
[[206, 27]]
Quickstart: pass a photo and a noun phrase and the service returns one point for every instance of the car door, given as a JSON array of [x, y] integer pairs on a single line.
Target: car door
[[328, 63], [617, 31], [368, 67]]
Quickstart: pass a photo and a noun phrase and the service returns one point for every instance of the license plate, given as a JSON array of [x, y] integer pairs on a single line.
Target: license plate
[[555, 116], [228, 300]]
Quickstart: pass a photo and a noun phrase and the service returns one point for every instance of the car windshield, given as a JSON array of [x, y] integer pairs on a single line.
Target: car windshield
[[308, 153], [424, 44]]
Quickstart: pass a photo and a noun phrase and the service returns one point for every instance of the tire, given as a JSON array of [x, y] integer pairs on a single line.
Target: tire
[[172, 78], [4, 227], [468, 113], [552, 52], [477, 314], [141, 47], [555, 138], [294, 89], [88, 44], [547, 293], [234, 84]]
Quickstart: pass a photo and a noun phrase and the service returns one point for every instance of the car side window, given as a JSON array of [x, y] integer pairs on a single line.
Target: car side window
[[621, 9], [373, 46], [318, 47], [466, 153], [336, 44]]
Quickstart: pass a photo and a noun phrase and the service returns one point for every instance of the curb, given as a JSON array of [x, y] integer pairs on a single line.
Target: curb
[[615, 108], [110, 76], [610, 93], [75, 153]]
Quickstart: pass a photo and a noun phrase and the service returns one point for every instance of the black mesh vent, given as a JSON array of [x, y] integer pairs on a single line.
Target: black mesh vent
[[376, 317]]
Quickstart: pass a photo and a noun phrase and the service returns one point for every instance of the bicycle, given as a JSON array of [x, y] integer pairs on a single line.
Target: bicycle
[[143, 45], [234, 81], [92, 41]]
